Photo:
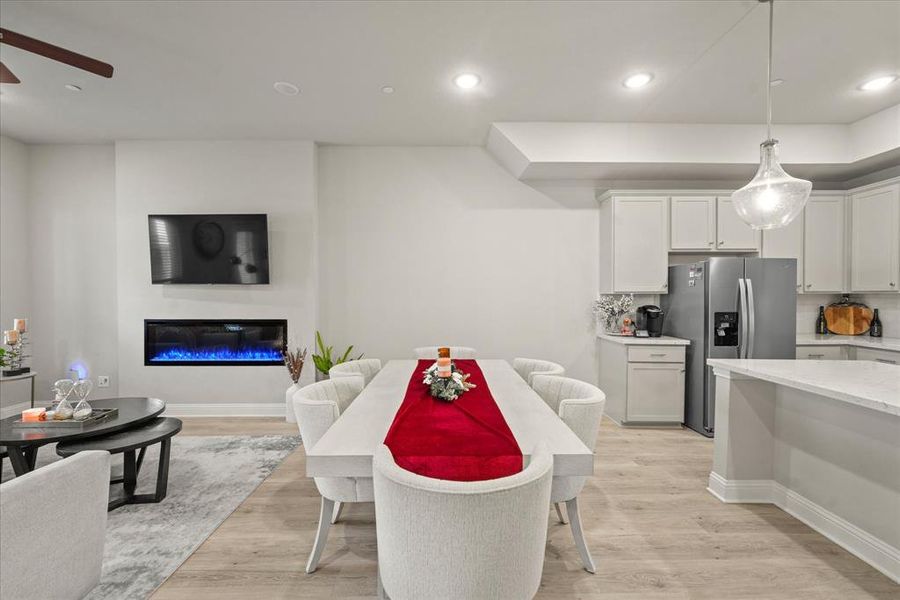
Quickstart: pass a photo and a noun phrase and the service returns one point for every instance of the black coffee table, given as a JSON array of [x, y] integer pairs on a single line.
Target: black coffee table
[[22, 443]]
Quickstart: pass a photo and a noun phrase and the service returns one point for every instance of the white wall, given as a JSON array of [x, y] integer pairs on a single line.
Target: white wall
[[15, 252], [72, 201], [277, 178], [422, 246]]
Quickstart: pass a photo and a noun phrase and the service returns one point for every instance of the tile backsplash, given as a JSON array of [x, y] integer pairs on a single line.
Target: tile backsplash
[[888, 306]]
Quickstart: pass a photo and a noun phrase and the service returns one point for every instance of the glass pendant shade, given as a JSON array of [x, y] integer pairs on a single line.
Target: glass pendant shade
[[773, 198]]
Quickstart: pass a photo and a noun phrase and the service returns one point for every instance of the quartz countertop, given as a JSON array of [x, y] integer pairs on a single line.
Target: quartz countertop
[[865, 383], [629, 340], [860, 341]]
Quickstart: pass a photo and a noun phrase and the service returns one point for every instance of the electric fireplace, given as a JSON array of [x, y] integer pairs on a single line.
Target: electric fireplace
[[205, 342]]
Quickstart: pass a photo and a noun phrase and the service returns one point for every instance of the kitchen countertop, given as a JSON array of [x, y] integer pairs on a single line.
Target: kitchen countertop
[[864, 383], [860, 341], [644, 341]]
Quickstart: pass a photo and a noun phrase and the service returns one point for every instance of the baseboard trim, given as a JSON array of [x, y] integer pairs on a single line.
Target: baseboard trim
[[245, 409], [14, 409], [862, 544]]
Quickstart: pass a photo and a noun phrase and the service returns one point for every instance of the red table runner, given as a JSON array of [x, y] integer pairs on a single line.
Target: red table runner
[[464, 440]]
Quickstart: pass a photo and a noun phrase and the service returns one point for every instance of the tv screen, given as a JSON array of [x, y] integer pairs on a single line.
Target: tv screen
[[209, 249]]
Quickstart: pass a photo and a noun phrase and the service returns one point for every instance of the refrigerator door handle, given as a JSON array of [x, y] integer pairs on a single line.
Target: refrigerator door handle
[[751, 325], [743, 317]]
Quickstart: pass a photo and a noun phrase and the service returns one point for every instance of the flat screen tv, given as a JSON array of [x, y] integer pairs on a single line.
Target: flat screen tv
[[232, 249]]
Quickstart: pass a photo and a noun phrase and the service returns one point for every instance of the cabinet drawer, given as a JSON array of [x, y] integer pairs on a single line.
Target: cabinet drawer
[[661, 354], [882, 356], [820, 353]]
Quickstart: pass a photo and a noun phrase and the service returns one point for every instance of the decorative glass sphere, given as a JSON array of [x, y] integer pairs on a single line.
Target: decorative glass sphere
[[773, 198]]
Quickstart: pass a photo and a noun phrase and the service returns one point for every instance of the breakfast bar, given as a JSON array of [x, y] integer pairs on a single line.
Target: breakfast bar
[[820, 440]]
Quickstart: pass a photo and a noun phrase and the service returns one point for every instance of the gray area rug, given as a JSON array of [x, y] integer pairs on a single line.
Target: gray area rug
[[209, 477]]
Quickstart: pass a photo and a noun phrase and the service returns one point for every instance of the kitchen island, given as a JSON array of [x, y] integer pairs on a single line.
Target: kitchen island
[[820, 440]]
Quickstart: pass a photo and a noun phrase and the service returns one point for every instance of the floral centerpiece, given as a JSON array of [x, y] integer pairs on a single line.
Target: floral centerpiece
[[447, 388], [608, 309]]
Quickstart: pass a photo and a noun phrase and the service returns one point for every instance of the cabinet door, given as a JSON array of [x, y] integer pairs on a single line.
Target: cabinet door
[[693, 222], [731, 232], [786, 242], [655, 392], [640, 244], [823, 245], [875, 240]]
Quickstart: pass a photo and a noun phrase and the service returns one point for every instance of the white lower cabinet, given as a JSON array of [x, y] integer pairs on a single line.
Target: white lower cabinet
[[644, 384]]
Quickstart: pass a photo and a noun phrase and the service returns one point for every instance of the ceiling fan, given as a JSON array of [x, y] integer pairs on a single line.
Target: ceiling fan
[[29, 44]]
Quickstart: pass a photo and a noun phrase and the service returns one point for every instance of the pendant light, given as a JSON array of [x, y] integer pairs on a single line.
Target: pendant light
[[773, 198]]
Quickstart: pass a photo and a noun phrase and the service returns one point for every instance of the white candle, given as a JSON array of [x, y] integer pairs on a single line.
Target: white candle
[[20, 325]]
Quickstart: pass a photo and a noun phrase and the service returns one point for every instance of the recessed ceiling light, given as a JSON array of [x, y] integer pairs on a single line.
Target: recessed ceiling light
[[879, 83], [72, 87], [638, 80], [286, 88], [467, 81], [776, 82], [387, 89]]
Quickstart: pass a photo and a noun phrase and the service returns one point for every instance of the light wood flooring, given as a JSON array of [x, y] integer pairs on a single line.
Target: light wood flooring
[[654, 531]]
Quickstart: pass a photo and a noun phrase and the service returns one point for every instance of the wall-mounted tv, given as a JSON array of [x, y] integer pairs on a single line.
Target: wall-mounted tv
[[232, 249]]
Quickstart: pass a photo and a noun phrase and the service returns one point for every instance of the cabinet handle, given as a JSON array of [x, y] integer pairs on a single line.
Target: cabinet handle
[[892, 284], [665, 285], [710, 243], [809, 285], [720, 243], [660, 354], [886, 361], [815, 355]]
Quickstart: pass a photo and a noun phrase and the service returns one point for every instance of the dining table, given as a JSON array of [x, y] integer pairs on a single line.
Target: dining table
[[347, 448]]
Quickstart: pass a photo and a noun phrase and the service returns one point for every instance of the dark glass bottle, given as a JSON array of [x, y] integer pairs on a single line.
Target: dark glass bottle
[[821, 324], [875, 328]]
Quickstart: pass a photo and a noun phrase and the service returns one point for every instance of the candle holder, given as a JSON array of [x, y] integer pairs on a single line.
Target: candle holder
[[16, 340]]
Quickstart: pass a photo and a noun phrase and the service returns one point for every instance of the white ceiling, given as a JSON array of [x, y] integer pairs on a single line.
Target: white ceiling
[[195, 70]]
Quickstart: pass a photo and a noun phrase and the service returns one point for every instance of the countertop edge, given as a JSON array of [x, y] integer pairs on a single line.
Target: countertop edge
[[643, 341], [858, 341]]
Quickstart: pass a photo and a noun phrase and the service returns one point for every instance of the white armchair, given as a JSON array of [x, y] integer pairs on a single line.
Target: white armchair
[[580, 406], [528, 367], [44, 552], [461, 352], [316, 407], [461, 540], [365, 367]]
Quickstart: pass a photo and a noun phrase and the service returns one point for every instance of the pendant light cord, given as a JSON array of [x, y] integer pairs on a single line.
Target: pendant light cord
[[769, 73]]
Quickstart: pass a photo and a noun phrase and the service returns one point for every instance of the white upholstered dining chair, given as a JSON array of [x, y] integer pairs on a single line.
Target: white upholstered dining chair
[[528, 367], [317, 407], [461, 539], [461, 352], [580, 406], [367, 367]]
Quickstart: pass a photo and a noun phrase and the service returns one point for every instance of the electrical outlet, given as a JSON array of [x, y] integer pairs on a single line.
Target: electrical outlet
[[103, 381]]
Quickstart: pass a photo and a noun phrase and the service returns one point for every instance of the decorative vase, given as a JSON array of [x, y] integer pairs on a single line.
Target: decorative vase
[[289, 414]]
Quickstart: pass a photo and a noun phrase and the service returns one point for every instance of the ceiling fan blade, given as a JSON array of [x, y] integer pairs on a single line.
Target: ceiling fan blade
[[79, 61], [7, 76]]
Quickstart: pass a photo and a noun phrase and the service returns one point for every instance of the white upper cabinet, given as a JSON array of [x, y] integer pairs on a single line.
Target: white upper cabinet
[[823, 245], [731, 232], [786, 242], [693, 223], [875, 240], [634, 234]]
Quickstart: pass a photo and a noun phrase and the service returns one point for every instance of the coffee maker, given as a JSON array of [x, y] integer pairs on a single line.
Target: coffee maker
[[650, 320]]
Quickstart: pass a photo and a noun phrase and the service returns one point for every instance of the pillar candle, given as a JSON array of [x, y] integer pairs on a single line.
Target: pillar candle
[[20, 325], [443, 352], [10, 336], [33, 415]]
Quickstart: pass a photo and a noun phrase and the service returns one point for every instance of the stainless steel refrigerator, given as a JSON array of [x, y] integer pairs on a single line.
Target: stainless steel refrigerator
[[729, 307]]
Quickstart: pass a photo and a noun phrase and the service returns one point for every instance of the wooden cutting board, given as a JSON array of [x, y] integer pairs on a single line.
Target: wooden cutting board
[[848, 320]]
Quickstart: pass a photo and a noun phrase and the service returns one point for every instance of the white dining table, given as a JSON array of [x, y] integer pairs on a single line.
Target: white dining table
[[347, 448]]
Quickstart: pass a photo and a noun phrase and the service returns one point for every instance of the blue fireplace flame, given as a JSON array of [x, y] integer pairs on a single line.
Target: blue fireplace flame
[[224, 355]]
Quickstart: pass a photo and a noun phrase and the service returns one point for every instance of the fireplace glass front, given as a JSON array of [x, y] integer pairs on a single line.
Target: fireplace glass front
[[255, 342]]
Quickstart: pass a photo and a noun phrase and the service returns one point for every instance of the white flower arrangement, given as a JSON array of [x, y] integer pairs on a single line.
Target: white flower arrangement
[[608, 309], [447, 389]]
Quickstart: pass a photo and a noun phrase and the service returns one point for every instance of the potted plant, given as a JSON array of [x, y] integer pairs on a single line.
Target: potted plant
[[294, 362], [325, 359]]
